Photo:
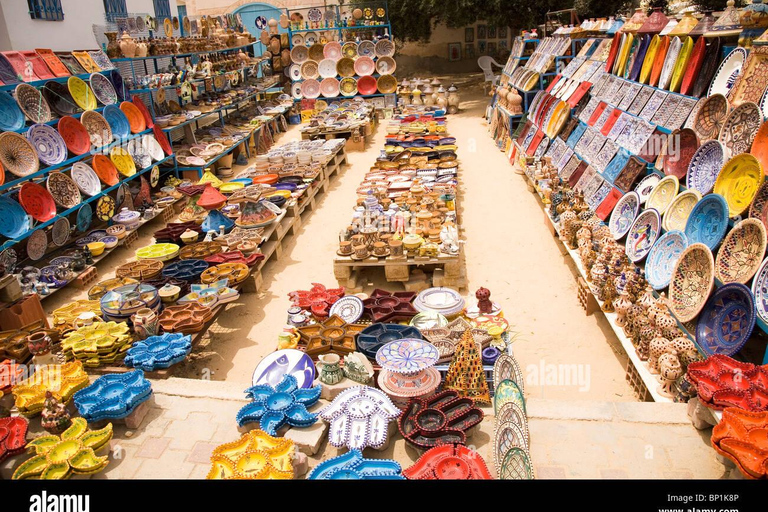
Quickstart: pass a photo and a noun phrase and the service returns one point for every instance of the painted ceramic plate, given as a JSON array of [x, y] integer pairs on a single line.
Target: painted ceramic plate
[[738, 182], [51, 148], [135, 118], [407, 356], [310, 88], [86, 179], [624, 214], [726, 322], [329, 88], [136, 100], [119, 124], [692, 280], [103, 89], [728, 72], [60, 232], [445, 301], [740, 128], [105, 208], [16, 222], [274, 366], [37, 201], [348, 86], [741, 253], [364, 66], [75, 135], [32, 103], [760, 290], [663, 194], [646, 186], [81, 93], [105, 170], [98, 128], [349, 309], [63, 189], [643, 234], [309, 70], [17, 155], [680, 209], [162, 139], [687, 142], [327, 68], [663, 257], [708, 221], [11, 116], [123, 161], [299, 54], [84, 217], [669, 62], [650, 56], [705, 167], [680, 64], [710, 117], [37, 244]]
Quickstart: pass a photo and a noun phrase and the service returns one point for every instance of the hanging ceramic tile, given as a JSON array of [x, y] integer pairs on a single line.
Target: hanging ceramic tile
[[642, 97]]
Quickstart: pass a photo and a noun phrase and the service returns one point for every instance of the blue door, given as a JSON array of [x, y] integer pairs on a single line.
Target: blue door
[[250, 12], [182, 14]]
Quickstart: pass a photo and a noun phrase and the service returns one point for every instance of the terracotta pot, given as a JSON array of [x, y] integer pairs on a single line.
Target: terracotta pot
[[127, 46]]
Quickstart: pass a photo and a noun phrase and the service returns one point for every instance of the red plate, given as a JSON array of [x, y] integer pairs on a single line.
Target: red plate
[[366, 85], [267, 179], [612, 53], [105, 170], [75, 135], [37, 202], [694, 66], [606, 128], [162, 139], [53, 62], [143, 108]]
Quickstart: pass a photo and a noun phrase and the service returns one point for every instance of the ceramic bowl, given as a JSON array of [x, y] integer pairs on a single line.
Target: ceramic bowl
[[693, 278], [116, 230], [643, 234], [727, 320], [741, 253], [110, 241], [705, 166], [679, 210], [96, 248], [708, 221], [663, 257], [738, 182]]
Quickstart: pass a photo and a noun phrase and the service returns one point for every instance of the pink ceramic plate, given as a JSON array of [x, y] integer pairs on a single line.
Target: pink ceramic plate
[[364, 66], [310, 89], [329, 88]]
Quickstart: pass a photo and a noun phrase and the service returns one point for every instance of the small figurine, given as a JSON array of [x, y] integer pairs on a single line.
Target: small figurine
[[484, 303], [55, 417]]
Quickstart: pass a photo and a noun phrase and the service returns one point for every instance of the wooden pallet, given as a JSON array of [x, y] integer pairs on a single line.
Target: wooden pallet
[[584, 295]]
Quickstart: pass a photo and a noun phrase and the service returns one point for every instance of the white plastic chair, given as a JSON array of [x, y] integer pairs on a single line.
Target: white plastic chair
[[486, 63]]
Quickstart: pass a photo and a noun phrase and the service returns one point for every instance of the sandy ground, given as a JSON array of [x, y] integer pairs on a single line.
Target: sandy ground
[[565, 354]]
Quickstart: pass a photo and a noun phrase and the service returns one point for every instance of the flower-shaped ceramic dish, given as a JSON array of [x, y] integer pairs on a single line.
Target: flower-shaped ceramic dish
[[740, 128], [200, 250], [158, 352], [11, 116], [331, 335], [738, 182], [740, 437], [693, 278], [186, 318], [359, 417], [141, 270], [63, 189], [234, 257], [443, 300], [318, 299], [443, 418], [255, 456], [663, 194], [161, 251], [352, 466], [407, 356], [100, 289], [65, 316], [449, 462], [708, 221], [284, 404], [17, 155], [127, 300], [37, 201], [643, 234], [678, 211], [375, 336], [384, 306], [13, 436], [63, 381], [727, 320], [32, 103], [663, 257], [113, 396], [742, 252], [188, 270], [710, 117], [234, 273], [98, 128], [705, 167], [73, 452], [724, 382]]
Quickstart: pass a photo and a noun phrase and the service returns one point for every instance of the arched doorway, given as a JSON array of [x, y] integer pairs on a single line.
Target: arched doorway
[[249, 13]]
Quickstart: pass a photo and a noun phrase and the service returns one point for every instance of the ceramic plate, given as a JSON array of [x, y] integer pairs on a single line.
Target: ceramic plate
[[642, 235], [663, 194], [81, 93], [97, 127], [708, 221], [105, 208], [103, 89], [135, 118], [740, 128], [646, 186], [310, 89], [710, 117], [37, 244], [663, 257], [384, 48], [86, 179], [84, 217], [63, 189], [407, 356], [705, 166], [152, 147], [60, 232], [37, 201], [327, 68], [686, 144], [726, 322], [123, 161], [680, 64], [624, 214], [349, 309], [669, 62], [32, 103], [692, 280], [329, 88], [678, 211], [76, 137], [760, 290], [445, 301], [275, 365], [17, 155], [738, 182], [309, 70], [741, 253], [728, 72], [299, 54], [16, 222], [11, 116], [119, 124], [51, 148]]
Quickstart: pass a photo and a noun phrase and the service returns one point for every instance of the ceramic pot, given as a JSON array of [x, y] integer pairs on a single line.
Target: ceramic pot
[[145, 323], [330, 369], [141, 49], [39, 343], [127, 46], [113, 48]]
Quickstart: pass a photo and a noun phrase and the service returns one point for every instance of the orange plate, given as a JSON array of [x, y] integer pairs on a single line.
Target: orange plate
[[105, 169], [658, 63], [135, 117], [267, 179], [144, 111], [760, 146]]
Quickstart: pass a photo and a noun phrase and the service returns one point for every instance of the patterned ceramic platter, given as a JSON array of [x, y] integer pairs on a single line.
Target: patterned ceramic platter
[[60, 231], [37, 201], [81, 93], [643, 234], [692, 280], [663, 257], [63, 189], [740, 128], [11, 116], [136, 119], [37, 244], [16, 222], [117, 121], [51, 148], [711, 117], [294, 362], [32, 103], [139, 153], [86, 179], [17, 155], [98, 128], [663, 194], [299, 54], [75, 135], [678, 211], [708, 221], [366, 49], [105, 208], [310, 89], [741, 253], [759, 207], [624, 214], [728, 72], [727, 320], [687, 144], [646, 186], [103, 89], [349, 309], [309, 69], [9, 258], [669, 62], [739, 181], [123, 161], [407, 356], [705, 166], [84, 217], [384, 48]]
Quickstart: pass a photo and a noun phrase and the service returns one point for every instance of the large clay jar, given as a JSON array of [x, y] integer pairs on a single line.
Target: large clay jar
[[330, 369], [113, 48], [515, 101], [127, 46], [145, 323], [141, 48]]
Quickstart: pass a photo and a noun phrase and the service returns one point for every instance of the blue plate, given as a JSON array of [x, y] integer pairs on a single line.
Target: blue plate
[[84, 217], [705, 166], [11, 116], [662, 258], [15, 220], [708, 221], [727, 320], [121, 128], [244, 181]]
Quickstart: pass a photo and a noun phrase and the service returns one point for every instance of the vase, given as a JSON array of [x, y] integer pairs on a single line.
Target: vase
[[141, 49], [39, 343], [113, 48], [145, 323], [127, 46], [330, 369]]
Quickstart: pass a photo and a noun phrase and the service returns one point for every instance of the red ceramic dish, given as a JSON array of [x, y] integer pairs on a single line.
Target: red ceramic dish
[[38, 65], [105, 169], [658, 63], [144, 111], [614, 50], [2, 174], [760, 146], [162, 139], [135, 117], [75, 135], [53, 62], [694, 66], [606, 128], [688, 143], [37, 202], [366, 85], [266, 179]]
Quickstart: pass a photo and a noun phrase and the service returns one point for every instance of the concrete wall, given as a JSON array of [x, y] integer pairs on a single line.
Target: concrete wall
[[20, 32]]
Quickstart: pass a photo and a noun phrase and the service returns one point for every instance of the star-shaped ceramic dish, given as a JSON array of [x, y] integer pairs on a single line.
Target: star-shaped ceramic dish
[[742, 437], [284, 404], [158, 352], [255, 456], [384, 306], [331, 335], [113, 396], [63, 381]]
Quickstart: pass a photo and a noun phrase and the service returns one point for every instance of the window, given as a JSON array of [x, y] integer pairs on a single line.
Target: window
[[115, 9], [162, 9], [49, 10]]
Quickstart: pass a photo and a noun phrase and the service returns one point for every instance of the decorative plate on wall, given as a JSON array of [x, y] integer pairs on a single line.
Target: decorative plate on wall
[[37, 244], [727, 320], [705, 166], [692, 280], [663, 257], [51, 148], [105, 208], [738, 182], [63, 189], [624, 214], [740, 128], [708, 221], [642, 235], [728, 72], [741, 253]]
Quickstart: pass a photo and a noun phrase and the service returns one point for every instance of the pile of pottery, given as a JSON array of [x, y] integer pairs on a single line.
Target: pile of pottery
[[339, 116], [97, 344], [406, 203], [417, 94]]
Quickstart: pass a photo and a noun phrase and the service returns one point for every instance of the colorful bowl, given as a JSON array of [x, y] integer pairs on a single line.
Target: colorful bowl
[[663, 257], [727, 320], [692, 280], [96, 248], [738, 182]]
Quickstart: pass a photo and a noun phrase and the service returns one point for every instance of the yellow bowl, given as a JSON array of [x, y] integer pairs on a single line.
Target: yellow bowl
[[162, 252], [738, 182], [282, 193], [96, 248], [123, 161], [229, 187]]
